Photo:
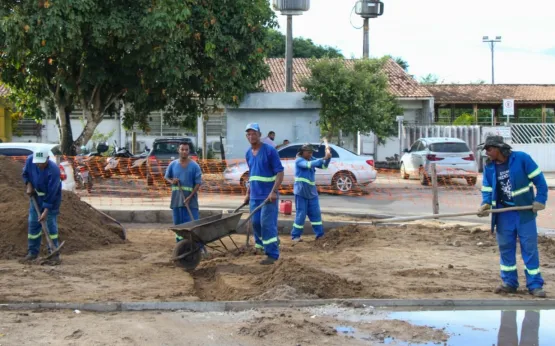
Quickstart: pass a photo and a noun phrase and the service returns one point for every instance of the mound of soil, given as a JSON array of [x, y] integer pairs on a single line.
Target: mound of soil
[[265, 326], [346, 236], [79, 225]]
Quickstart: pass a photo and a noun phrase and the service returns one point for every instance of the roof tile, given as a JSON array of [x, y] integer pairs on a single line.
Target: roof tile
[[401, 84], [492, 93]]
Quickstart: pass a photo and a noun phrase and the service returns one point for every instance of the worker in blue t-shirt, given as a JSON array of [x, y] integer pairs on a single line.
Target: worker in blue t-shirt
[[306, 194], [265, 177], [184, 174]]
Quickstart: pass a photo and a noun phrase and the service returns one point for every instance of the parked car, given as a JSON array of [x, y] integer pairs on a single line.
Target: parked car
[[346, 170], [452, 156], [23, 150], [164, 151]]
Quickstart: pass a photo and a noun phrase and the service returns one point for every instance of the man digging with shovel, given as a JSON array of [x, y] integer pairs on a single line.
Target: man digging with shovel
[[42, 180], [507, 182]]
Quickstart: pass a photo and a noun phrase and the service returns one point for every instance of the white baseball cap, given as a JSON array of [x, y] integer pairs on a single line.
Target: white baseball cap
[[41, 155]]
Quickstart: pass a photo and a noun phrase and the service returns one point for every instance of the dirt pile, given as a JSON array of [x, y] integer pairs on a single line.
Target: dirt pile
[[265, 326], [80, 226], [346, 236]]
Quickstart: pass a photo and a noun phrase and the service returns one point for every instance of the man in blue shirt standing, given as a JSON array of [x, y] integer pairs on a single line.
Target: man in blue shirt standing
[[508, 181], [265, 177], [185, 176], [306, 193], [42, 180]]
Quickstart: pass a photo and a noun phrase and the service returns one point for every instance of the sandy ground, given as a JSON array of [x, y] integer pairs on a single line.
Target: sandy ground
[[331, 325], [417, 261]]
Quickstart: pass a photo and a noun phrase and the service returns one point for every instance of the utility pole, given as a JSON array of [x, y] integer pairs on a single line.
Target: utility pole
[[492, 43], [368, 9], [290, 8]]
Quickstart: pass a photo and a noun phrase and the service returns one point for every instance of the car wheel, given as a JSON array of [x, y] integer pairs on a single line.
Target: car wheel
[[344, 181], [404, 174], [471, 181], [423, 177]]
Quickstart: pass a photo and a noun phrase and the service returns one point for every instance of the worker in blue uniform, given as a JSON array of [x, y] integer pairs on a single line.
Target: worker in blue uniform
[[42, 180], [306, 194], [265, 177], [508, 181], [185, 177]]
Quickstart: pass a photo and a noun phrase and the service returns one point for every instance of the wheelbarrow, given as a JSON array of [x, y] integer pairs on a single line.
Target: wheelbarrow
[[199, 233]]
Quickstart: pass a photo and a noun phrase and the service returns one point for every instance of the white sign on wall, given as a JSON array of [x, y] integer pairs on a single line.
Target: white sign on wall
[[504, 131], [508, 107]]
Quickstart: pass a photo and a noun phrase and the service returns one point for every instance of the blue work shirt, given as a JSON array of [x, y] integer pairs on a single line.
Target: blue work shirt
[[263, 170], [305, 176], [188, 178], [46, 182]]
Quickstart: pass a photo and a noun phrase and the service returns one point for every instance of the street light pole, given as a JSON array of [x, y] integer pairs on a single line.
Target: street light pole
[[492, 43]]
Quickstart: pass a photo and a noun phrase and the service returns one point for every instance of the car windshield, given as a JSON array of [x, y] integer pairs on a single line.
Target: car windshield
[[449, 147], [168, 147]]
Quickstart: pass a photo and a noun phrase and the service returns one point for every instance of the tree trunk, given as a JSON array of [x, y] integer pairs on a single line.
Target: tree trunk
[[92, 119], [64, 128]]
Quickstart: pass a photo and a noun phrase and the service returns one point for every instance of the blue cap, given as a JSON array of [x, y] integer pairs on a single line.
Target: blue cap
[[252, 126]]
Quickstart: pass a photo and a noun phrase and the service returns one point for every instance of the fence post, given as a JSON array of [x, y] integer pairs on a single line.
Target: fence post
[[435, 198]]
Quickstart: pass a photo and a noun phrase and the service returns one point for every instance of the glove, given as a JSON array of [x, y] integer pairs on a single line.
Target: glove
[[482, 209], [537, 206]]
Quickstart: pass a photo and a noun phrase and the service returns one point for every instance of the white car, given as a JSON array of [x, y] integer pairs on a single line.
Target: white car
[[23, 150], [452, 156], [346, 170]]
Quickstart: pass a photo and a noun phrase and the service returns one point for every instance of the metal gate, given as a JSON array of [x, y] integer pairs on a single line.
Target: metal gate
[[469, 134]]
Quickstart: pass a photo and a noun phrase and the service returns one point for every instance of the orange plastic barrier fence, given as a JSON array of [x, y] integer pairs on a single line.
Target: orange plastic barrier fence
[[139, 183]]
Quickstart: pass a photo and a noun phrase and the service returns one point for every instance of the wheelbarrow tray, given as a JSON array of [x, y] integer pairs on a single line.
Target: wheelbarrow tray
[[210, 228]]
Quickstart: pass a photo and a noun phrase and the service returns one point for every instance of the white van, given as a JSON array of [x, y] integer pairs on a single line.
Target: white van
[[23, 150]]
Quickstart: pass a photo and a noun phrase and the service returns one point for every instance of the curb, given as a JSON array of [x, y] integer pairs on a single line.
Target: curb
[[223, 306]]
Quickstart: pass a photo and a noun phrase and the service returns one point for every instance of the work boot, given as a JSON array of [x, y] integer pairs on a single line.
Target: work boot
[[268, 261], [504, 289], [538, 292], [297, 240], [29, 258]]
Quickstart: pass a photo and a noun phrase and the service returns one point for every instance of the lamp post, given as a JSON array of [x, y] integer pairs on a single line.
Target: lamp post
[[492, 41], [368, 9]]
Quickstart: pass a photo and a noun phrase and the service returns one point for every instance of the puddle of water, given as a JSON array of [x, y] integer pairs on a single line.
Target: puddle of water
[[486, 327], [345, 329]]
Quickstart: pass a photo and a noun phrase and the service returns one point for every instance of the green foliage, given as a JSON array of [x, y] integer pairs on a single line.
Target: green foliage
[[430, 79], [170, 54], [352, 99], [302, 47], [464, 119], [401, 62]]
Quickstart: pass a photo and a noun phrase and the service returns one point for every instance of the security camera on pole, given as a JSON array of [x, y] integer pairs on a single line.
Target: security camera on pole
[[290, 8], [368, 9]]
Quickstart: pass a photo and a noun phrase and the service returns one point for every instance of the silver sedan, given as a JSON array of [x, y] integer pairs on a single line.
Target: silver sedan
[[346, 170]]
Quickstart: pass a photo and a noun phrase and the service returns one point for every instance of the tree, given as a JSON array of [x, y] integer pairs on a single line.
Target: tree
[[402, 62], [464, 119], [430, 79], [352, 98], [302, 47], [170, 54]]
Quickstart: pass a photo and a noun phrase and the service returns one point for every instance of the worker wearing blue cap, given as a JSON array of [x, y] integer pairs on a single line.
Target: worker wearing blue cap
[[265, 177]]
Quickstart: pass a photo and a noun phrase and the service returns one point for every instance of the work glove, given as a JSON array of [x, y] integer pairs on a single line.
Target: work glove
[[482, 210], [537, 206]]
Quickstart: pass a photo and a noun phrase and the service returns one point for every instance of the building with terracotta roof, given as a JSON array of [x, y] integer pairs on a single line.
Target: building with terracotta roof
[[491, 96], [292, 118]]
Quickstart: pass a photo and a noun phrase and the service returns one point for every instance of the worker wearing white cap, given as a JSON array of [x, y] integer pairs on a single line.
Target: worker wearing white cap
[[42, 179]]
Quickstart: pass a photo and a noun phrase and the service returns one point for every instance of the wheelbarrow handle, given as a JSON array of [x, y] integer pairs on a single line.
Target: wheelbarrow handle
[[266, 201], [241, 206]]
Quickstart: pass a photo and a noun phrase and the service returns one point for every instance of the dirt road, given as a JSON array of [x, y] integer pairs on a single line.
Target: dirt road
[[367, 262], [331, 325]]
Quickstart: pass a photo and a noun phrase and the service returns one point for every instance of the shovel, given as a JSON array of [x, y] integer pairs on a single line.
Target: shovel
[[439, 216], [53, 249]]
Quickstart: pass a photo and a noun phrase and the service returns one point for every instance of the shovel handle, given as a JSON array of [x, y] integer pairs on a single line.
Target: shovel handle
[[43, 224]]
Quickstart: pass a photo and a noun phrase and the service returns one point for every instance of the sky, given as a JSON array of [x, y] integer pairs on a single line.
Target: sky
[[444, 37]]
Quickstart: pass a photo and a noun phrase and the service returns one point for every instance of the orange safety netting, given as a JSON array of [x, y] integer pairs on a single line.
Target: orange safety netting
[[139, 183]]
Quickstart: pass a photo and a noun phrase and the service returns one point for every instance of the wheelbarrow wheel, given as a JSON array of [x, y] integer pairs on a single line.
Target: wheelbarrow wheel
[[190, 261]]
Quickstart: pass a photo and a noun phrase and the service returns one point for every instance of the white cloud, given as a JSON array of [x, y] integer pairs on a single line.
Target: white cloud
[[444, 37]]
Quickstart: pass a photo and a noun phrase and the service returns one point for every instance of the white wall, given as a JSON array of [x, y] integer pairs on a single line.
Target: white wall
[[541, 153]]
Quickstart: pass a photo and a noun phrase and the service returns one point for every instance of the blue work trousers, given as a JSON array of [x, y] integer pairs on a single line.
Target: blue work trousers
[[508, 228], [34, 234], [264, 224], [181, 215], [304, 207]]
